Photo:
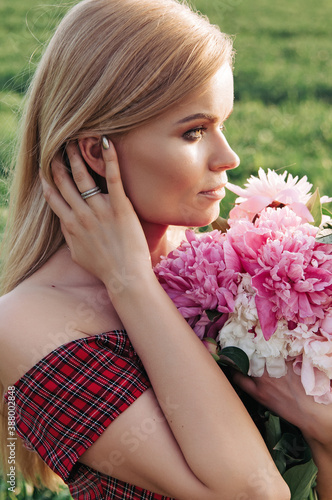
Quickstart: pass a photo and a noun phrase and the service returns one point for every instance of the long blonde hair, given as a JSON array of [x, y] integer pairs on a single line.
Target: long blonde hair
[[111, 66]]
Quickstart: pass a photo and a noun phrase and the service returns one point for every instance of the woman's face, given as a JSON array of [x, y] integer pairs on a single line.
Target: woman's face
[[174, 168]]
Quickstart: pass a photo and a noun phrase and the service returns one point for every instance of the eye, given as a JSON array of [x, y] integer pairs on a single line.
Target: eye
[[194, 134]]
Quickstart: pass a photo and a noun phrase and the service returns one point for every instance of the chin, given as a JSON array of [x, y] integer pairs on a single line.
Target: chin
[[189, 217], [205, 219], [197, 222]]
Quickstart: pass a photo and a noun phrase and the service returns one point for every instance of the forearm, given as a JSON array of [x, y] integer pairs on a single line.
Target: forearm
[[207, 419], [322, 455]]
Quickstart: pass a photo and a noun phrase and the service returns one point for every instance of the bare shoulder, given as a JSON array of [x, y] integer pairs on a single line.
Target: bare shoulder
[[27, 307], [23, 306], [36, 319], [57, 304], [30, 320]]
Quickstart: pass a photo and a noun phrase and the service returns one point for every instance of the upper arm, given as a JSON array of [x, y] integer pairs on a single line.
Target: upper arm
[[139, 448]]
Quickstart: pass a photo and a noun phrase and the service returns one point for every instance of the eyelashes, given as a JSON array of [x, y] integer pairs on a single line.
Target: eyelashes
[[197, 133], [194, 133]]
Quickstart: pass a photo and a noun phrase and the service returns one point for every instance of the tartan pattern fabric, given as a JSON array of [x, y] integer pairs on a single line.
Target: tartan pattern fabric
[[87, 484], [68, 398]]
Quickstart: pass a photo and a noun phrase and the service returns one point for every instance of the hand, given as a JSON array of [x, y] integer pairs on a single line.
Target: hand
[[287, 398], [102, 232]]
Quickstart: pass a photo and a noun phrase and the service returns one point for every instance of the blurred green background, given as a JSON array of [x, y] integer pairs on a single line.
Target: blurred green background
[[283, 89], [283, 81]]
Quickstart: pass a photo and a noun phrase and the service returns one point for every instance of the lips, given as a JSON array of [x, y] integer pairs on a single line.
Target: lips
[[213, 190], [217, 193], [218, 187]]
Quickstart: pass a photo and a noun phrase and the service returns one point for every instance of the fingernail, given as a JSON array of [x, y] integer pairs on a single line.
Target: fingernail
[[105, 142]]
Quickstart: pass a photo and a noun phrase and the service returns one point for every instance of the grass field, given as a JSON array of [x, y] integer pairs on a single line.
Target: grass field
[[283, 84]]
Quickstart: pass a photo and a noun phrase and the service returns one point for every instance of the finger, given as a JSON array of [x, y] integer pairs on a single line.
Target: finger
[[66, 235], [247, 384], [55, 200], [81, 176], [83, 180], [113, 176], [65, 184]]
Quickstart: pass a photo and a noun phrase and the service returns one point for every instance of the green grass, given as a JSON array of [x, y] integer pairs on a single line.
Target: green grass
[[25, 27], [283, 84]]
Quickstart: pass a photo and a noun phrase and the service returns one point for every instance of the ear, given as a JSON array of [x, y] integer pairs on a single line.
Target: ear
[[90, 148]]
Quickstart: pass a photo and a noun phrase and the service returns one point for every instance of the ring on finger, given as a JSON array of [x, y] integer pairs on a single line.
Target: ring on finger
[[91, 192]]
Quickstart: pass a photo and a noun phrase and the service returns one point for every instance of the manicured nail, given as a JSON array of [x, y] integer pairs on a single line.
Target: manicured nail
[[105, 143]]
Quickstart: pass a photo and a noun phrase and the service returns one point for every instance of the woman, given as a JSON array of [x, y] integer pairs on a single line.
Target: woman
[[132, 92]]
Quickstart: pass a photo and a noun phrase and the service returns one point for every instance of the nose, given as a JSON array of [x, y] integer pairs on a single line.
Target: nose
[[223, 157]]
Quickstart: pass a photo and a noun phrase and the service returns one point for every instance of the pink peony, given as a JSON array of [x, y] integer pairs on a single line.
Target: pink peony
[[316, 382], [271, 188], [312, 349], [291, 272], [196, 278]]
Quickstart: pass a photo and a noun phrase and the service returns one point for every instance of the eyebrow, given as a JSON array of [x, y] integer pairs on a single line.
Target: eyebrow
[[204, 116]]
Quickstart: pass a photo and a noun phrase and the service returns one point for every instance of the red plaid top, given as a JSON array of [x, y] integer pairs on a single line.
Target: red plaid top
[[67, 399]]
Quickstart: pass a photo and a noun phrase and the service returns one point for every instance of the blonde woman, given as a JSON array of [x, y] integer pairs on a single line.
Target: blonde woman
[[111, 389]]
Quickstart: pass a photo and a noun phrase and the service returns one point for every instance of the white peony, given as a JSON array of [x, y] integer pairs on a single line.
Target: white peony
[[242, 329]]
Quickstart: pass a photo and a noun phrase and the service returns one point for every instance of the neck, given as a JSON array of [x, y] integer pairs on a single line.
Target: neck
[[156, 237]]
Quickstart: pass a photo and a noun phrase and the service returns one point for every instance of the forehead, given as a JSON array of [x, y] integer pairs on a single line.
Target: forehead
[[215, 97]]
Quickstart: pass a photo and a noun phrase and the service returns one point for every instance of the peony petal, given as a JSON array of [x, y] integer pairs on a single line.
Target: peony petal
[[315, 382], [276, 367], [266, 317], [324, 398], [305, 310], [232, 260], [307, 375], [257, 366], [302, 211]]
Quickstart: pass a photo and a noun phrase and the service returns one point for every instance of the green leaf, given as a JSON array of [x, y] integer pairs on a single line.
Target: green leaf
[[205, 229], [221, 224], [327, 212], [273, 431], [211, 340], [301, 479], [213, 315], [294, 448], [236, 358], [325, 234], [280, 461], [315, 207]]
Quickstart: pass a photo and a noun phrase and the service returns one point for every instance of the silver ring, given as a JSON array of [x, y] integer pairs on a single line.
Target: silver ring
[[90, 192]]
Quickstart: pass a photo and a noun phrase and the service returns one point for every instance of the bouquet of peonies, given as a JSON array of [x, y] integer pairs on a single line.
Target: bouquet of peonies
[[264, 285], [262, 282]]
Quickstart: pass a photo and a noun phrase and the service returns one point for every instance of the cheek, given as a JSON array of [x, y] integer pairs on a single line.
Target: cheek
[[162, 183], [144, 181], [155, 168]]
